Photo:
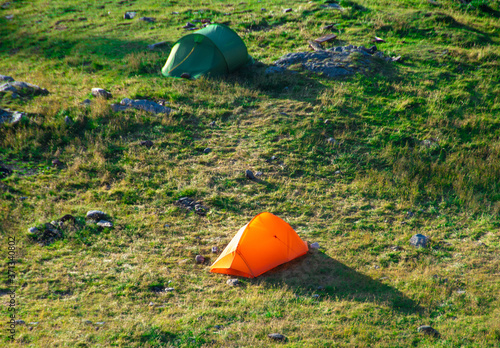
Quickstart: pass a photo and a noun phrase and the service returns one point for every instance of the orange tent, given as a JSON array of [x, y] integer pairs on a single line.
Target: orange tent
[[264, 243]]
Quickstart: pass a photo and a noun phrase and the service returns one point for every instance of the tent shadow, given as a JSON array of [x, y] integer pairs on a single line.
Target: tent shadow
[[317, 273]]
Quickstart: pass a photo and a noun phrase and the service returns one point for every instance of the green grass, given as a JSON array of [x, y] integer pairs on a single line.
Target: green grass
[[419, 136]]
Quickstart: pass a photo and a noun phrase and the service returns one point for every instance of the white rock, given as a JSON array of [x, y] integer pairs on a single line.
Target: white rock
[[315, 245], [104, 223]]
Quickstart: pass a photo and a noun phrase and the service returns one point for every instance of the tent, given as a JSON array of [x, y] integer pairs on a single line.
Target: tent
[[214, 50], [264, 243]]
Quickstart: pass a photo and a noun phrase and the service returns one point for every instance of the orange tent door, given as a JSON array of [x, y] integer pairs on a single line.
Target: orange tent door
[[264, 243]]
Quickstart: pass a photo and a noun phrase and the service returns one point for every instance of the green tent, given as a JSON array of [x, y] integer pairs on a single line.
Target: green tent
[[214, 50]]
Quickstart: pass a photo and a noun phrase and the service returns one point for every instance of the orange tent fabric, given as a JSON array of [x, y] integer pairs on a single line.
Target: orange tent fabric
[[264, 243]]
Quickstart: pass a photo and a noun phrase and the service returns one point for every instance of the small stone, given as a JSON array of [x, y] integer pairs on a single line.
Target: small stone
[[100, 323], [327, 121], [99, 92], [23, 198], [378, 40], [315, 245], [158, 44], [86, 102], [189, 25], [419, 240], [273, 158], [212, 124], [428, 330], [274, 70], [218, 327], [129, 15], [33, 230], [233, 282], [87, 322], [185, 76], [6, 78], [396, 59], [337, 172], [396, 248], [151, 304], [199, 259], [19, 322], [461, 292], [56, 162], [68, 121], [96, 215], [258, 173], [315, 296], [9, 17], [215, 250], [104, 223], [166, 225], [409, 213], [169, 289], [249, 175], [148, 19], [330, 141], [147, 143], [277, 337], [33, 323], [17, 117], [286, 10], [207, 150], [263, 9]]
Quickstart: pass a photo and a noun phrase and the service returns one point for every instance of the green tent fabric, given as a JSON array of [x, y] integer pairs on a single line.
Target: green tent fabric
[[214, 50]]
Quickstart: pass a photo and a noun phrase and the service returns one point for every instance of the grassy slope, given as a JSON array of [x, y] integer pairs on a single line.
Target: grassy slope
[[446, 89]]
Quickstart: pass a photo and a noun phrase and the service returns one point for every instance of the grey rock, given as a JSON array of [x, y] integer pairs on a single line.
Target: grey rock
[[104, 223], [129, 15], [102, 93], [461, 292], [5, 5], [233, 282], [52, 229], [148, 19], [100, 323], [68, 120], [9, 17], [207, 150], [6, 78], [215, 250], [330, 141], [23, 88], [33, 323], [218, 327], [199, 259], [286, 10], [151, 304], [277, 337], [258, 173], [169, 289], [96, 215], [315, 245], [158, 44], [213, 124], [147, 143], [86, 102], [274, 70], [33, 230], [249, 175], [419, 240], [87, 322], [189, 25], [428, 330], [19, 322], [141, 104]]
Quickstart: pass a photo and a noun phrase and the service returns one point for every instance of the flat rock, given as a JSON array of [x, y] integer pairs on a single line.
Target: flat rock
[[11, 117], [428, 330], [233, 282], [207, 150], [287, 10], [419, 241], [274, 70], [129, 15], [158, 44], [22, 88], [147, 143], [6, 78], [148, 19], [277, 337], [32, 230], [96, 215], [169, 289], [141, 104], [249, 174], [104, 223], [102, 93]]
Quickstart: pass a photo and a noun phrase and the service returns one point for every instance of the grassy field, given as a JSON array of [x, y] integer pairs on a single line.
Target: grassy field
[[417, 150]]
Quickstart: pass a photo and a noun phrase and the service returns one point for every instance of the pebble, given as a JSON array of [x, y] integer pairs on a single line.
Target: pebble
[[315, 296], [33, 323], [148, 19], [9, 17], [189, 25], [102, 93], [315, 245], [151, 304], [249, 174], [207, 150], [87, 322], [100, 323], [330, 140], [215, 250], [199, 259], [259, 174], [141, 104], [147, 143], [169, 289], [286, 10], [129, 15], [218, 327], [419, 240], [461, 292], [33, 230], [213, 124], [277, 337], [56, 162], [428, 330], [104, 223], [19, 322], [86, 102], [233, 282], [96, 214], [68, 120]]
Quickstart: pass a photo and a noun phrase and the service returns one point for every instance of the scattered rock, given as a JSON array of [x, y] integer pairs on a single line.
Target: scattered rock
[[378, 40], [6, 78], [86, 102], [22, 88], [169, 289], [100, 323], [68, 217], [33, 323], [151, 304], [87, 322], [315, 245], [129, 15], [263, 9], [68, 121], [207, 150], [96, 215], [185, 76], [148, 19], [32, 230], [274, 70], [277, 337], [419, 240], [199, 259], [12, 117], [189, 25], [249, 175], [286, 10], [191, 204], [104, 223], [396, 248], [141, 104], [102, 93], [215, 250], [218, 327], [233, 282], [47, 235], [19, 322], [158, 44], [258, 173], [147, 143], [428, 330]]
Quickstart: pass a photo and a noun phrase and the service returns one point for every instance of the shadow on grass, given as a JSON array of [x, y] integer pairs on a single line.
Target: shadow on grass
[[317, 273]]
